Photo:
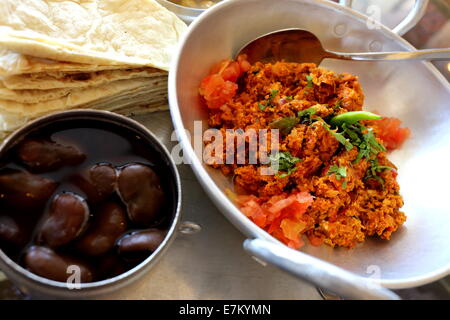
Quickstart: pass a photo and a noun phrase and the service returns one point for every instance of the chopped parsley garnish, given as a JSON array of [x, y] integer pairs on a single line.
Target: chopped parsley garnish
[[283, 161], [340, 173], [364, 139], [273, 93], [339, 136], [307, 112], [337, 105], [374, 170], [289, 98], [305, 115], [269, 102], [349, 133], [310, 83]]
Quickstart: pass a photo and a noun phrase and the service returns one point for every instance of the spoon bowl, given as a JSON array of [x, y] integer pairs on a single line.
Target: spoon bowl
[[292, 45], [297, 45]]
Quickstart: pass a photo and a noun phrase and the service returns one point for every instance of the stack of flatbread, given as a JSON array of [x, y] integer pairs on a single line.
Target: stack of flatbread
[[104, 54]]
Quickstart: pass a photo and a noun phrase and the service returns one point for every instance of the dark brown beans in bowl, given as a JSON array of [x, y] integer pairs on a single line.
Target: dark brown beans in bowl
[[88, 189]]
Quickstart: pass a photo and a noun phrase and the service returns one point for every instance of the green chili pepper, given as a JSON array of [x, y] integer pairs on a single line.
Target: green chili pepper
[[353, 117]]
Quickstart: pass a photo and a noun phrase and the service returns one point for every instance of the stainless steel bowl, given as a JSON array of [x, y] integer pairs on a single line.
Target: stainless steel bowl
[[412, 91], [39, 287]]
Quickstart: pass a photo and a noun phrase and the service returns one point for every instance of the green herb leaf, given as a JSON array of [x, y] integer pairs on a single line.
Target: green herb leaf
[[262, 107], [340, 173], [339, 136], [305, 116], [307, 112], [374, 170], [289, 98], [284, 175], [368, 145], [269, 102], [285, 125], [310, 83], [337, 105], [283, 161]]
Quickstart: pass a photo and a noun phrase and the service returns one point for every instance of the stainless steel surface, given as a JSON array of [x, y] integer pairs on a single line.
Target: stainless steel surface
[[188, 228], [412, 91], [297, 45], [343, 283], [410, 20], [36, 286]]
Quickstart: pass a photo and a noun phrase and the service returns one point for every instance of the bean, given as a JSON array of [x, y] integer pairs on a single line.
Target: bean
[[11, 231], [25, 191], [353, 117], [139, 241], [48, 264], [41, 155], [98, 182], [67, 218], [109, 223], [110, 265], [140, 189]]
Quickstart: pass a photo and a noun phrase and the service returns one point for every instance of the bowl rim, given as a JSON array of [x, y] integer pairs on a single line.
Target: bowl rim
[[221, 201], [28, 279]]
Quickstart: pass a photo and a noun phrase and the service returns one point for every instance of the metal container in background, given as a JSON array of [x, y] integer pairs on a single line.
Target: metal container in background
[[35, 286], [184, 13]]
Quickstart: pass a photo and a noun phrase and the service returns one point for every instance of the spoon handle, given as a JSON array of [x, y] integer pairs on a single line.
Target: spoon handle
[[429, 54]]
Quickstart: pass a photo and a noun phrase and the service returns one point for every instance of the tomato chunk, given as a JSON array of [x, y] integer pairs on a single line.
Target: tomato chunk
[[216, 91], [389, 130], [220, 86], [281, 215]]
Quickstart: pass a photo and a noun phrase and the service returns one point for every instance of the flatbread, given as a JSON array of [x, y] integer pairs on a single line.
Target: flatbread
[[31, 96], [54, 80], [38, 95], [99, 32], [144, 88], [13, 63], [10, 122]]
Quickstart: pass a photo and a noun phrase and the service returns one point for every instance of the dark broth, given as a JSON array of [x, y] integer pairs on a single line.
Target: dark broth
[[101, 143]]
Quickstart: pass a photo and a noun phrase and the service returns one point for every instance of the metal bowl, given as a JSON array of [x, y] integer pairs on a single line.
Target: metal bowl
[[39, 287], [412, 91]]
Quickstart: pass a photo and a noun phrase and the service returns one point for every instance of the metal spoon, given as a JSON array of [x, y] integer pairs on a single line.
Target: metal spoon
[[296, 45]]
